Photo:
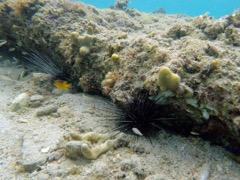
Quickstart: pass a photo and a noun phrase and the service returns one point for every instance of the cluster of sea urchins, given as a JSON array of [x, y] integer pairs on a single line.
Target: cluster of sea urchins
[[145, 117]]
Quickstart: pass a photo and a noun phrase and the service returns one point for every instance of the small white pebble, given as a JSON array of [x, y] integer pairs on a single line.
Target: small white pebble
[[45, 150]]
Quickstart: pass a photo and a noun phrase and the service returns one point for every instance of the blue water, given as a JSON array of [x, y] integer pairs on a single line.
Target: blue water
[[216, 8]]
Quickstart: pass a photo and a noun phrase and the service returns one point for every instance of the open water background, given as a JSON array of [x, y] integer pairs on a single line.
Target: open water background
[[216, 8]]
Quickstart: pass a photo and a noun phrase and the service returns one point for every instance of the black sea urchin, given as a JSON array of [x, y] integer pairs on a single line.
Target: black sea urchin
[[145, 117], [60, 73], [43, 62]]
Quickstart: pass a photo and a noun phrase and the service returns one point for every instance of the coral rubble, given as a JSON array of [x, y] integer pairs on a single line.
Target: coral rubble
[[81, 144]]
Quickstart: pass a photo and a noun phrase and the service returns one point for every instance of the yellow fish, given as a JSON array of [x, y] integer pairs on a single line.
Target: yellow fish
[[63, 85]]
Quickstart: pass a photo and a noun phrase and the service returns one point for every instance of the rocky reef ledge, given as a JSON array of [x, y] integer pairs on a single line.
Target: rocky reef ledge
[[119, 53]]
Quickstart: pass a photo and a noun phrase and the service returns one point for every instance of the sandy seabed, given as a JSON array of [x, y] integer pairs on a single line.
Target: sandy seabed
[[24, 135]]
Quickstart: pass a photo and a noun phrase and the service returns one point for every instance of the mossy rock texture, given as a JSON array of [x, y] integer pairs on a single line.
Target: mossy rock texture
[[205, 56]]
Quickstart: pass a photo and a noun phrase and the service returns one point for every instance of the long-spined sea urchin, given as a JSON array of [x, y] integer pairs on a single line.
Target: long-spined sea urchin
[[145, 117], [45, 64], [58, 71]]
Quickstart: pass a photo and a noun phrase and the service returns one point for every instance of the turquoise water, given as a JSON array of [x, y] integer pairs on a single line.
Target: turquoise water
[[216, 8]]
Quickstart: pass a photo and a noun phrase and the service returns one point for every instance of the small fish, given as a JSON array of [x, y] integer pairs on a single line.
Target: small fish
[[136, 131], [63, 85], [233, 153]]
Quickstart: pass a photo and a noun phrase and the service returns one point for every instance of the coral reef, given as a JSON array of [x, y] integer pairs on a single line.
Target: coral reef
[[82, 144], [178, 31], [109, 81], [213, 30], [234, 19], [115, 57], [119, 53], [83, 42], [233, 36], [25, 7], [167, 80], [121, 4]]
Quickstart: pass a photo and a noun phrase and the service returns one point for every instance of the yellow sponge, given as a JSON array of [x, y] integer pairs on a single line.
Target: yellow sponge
[[167, 80]]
